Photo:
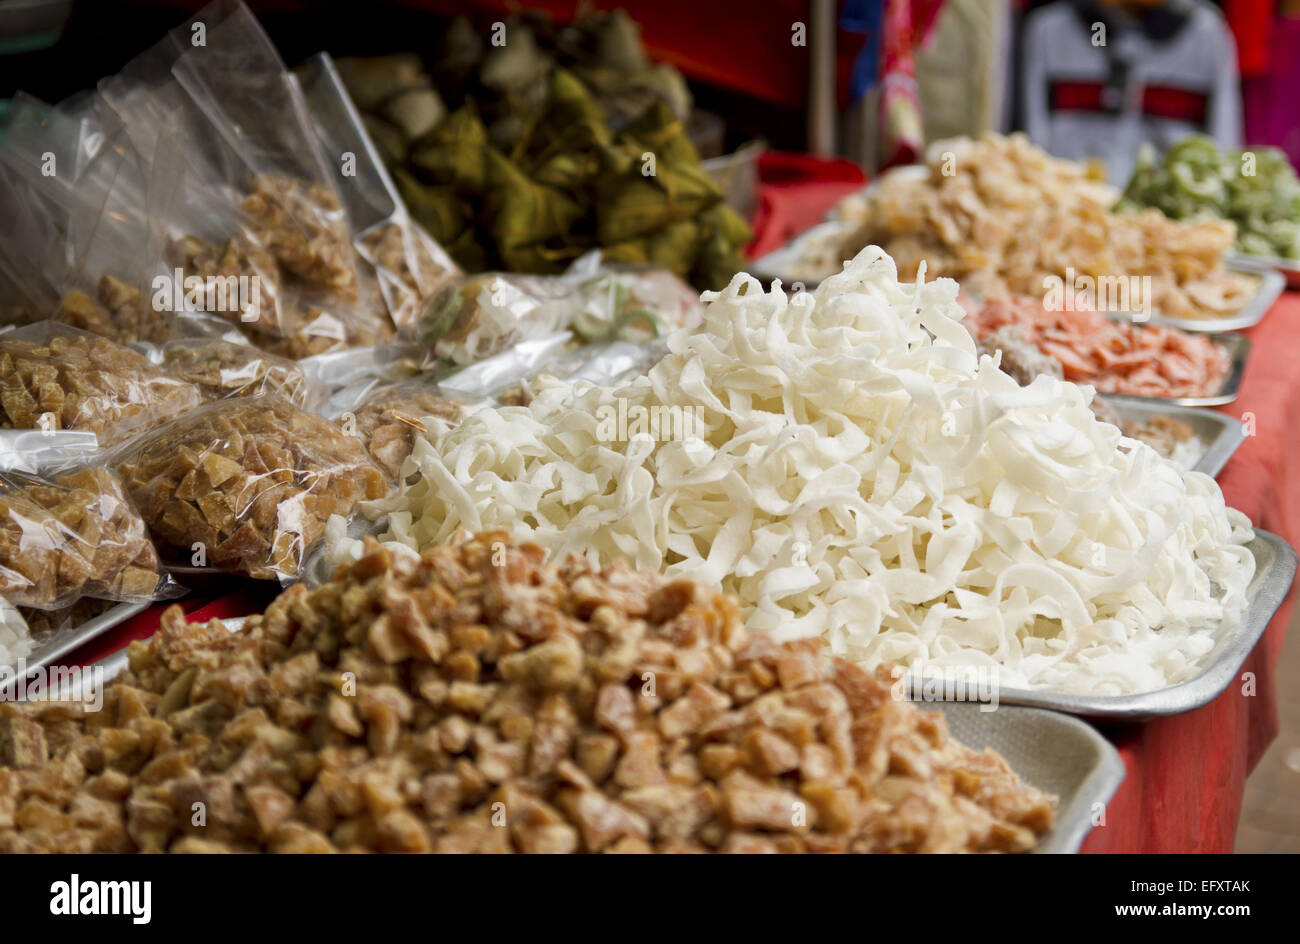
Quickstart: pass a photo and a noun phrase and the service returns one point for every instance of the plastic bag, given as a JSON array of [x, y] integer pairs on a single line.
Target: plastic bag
[[406, 263], [56, 377], [92, 180], [32, 244], [603, 365], [15, 634], [46, 625], [73, 534], [349, 376], [493, 375], [478, 316], [222, 369], [255, 206], [31, 450], [392, 415], [248, 483], [291, 207], [631, 303]]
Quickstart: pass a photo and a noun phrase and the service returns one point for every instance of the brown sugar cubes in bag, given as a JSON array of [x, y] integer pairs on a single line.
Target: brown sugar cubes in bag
[[56, 377], [248, 482], [223, 369], [72, 535]]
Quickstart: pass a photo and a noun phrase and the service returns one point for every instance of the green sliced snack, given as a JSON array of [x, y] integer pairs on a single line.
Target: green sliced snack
[[1256, 188]]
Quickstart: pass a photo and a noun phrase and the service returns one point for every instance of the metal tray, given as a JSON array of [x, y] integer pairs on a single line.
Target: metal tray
[[1057, 754], [1051, 751], [783, 263], [1237, 347], [1275, 567], [1289, 269], [1220, 435], [1271, 284], [63, 641]]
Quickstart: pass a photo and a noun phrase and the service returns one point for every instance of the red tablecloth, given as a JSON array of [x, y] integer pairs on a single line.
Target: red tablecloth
[[1186, 775]]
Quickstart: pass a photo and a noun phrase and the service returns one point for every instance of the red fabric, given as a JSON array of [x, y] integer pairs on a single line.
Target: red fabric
[[1186, 775], [1177, 104], [1251, 22], [795, 192]]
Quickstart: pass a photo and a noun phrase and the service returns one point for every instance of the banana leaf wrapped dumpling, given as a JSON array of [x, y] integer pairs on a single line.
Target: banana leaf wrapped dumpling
[[531, 223]]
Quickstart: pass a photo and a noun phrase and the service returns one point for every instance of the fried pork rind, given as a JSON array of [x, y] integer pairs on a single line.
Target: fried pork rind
[[1002, 216], [74, 535], [487, 679], [84, 382], [388, 420], [252, 479], [222, 369]]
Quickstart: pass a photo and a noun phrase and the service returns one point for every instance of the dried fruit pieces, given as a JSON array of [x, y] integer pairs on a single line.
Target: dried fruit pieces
[[118, 312], [252, 480], [76, 535], [222, 369], [55, 377], [388, 421]]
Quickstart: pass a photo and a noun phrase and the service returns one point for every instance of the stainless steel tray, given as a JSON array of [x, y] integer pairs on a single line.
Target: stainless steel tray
[[1220, 435], [1275, 567], [784, 262], [62, 641], [1051, 751], [1271, 284], [1057, 754], [1289, 269], [1238, 349]]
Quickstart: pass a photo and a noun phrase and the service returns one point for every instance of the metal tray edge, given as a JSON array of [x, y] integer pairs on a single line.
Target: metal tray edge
[[1199, 691]]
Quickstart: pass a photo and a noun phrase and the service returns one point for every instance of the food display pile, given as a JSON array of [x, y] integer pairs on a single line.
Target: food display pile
[[482, 686]]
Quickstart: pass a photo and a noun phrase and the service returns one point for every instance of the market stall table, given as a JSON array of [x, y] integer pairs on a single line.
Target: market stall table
[[1185, 775]]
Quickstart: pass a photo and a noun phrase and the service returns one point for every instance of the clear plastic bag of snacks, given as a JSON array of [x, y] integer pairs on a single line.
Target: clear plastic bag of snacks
[[74, 533], [56, 377], [247, 483], [405, 262]]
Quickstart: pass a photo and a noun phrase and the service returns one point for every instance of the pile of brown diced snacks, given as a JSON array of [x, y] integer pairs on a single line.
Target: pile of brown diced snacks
[[477, 699], [84, 382], [76, 535], [253, 480]]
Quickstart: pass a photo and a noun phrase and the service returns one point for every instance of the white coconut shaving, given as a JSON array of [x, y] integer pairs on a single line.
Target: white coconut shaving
[[847, 466]]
